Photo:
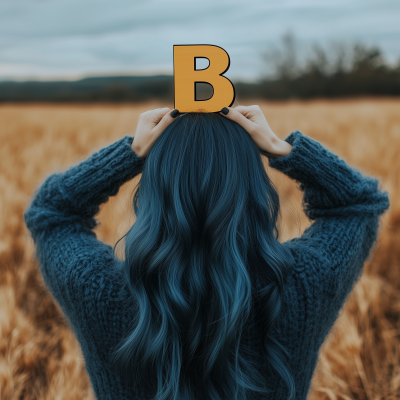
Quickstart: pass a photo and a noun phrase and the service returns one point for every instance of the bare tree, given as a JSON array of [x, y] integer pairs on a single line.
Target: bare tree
[[283, 59]]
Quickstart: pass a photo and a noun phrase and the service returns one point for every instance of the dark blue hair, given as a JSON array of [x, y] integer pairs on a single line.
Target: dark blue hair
[[206, 215]]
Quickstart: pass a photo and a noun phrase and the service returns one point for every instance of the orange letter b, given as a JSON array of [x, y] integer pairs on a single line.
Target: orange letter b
[[186, 76]]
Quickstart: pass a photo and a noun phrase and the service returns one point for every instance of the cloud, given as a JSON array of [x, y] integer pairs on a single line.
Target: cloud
[[40, 38]]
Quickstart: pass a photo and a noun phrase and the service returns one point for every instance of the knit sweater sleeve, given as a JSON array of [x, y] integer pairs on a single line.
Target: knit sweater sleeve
[[345, 207], [61, 219]]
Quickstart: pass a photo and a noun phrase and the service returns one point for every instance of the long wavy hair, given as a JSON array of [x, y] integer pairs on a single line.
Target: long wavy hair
[[205, 229]]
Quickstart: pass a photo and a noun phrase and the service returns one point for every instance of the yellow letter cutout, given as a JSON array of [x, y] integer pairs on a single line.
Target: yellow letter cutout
[[186, 76]]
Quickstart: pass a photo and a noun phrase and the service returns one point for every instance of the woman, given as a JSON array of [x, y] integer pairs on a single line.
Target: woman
[[207, 303]]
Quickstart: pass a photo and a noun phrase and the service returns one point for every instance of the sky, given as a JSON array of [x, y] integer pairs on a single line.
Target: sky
[[70, 39]]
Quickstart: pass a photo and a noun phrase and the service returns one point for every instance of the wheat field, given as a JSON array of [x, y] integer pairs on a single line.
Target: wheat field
[[40, 357]]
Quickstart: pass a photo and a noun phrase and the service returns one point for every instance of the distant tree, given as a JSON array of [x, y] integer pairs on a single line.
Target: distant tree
[[283, 59], [365, 58]]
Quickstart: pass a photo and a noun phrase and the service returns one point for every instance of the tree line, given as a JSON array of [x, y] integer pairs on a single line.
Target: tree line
[[334, 71]]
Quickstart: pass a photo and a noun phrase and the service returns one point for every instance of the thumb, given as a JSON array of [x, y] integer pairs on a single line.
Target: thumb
[[168, 118], [236, 116]]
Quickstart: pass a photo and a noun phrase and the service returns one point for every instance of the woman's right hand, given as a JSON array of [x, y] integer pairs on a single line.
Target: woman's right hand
[[253, 121]]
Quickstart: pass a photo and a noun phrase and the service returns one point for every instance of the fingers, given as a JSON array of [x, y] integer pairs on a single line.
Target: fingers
[[237, 115], [248, 111], [165, 120], [154, 116]]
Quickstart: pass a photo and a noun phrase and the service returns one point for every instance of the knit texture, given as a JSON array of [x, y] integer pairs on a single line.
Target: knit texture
[[87, 281]]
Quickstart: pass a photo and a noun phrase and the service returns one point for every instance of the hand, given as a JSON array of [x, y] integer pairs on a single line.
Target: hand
[[253, 121], [150, 126]]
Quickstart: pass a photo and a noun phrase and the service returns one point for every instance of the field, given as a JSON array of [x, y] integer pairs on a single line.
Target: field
[[40, 357]]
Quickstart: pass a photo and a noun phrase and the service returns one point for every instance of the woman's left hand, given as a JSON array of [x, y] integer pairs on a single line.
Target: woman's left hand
[[150, 126]]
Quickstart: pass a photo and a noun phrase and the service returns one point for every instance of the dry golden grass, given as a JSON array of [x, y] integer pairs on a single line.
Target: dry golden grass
[[40, 357]]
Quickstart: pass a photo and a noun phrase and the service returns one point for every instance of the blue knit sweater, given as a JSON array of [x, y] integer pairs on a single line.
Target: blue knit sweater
[[88, 284]]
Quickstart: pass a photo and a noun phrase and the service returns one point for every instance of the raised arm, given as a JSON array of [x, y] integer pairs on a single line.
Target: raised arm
[[61, 215], [345, 207], [75, 195]]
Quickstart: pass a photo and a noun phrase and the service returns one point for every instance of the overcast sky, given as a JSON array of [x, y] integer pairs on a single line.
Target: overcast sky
[[49, 39]]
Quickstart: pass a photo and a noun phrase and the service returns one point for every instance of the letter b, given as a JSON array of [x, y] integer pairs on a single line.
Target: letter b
[[186, 76]]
